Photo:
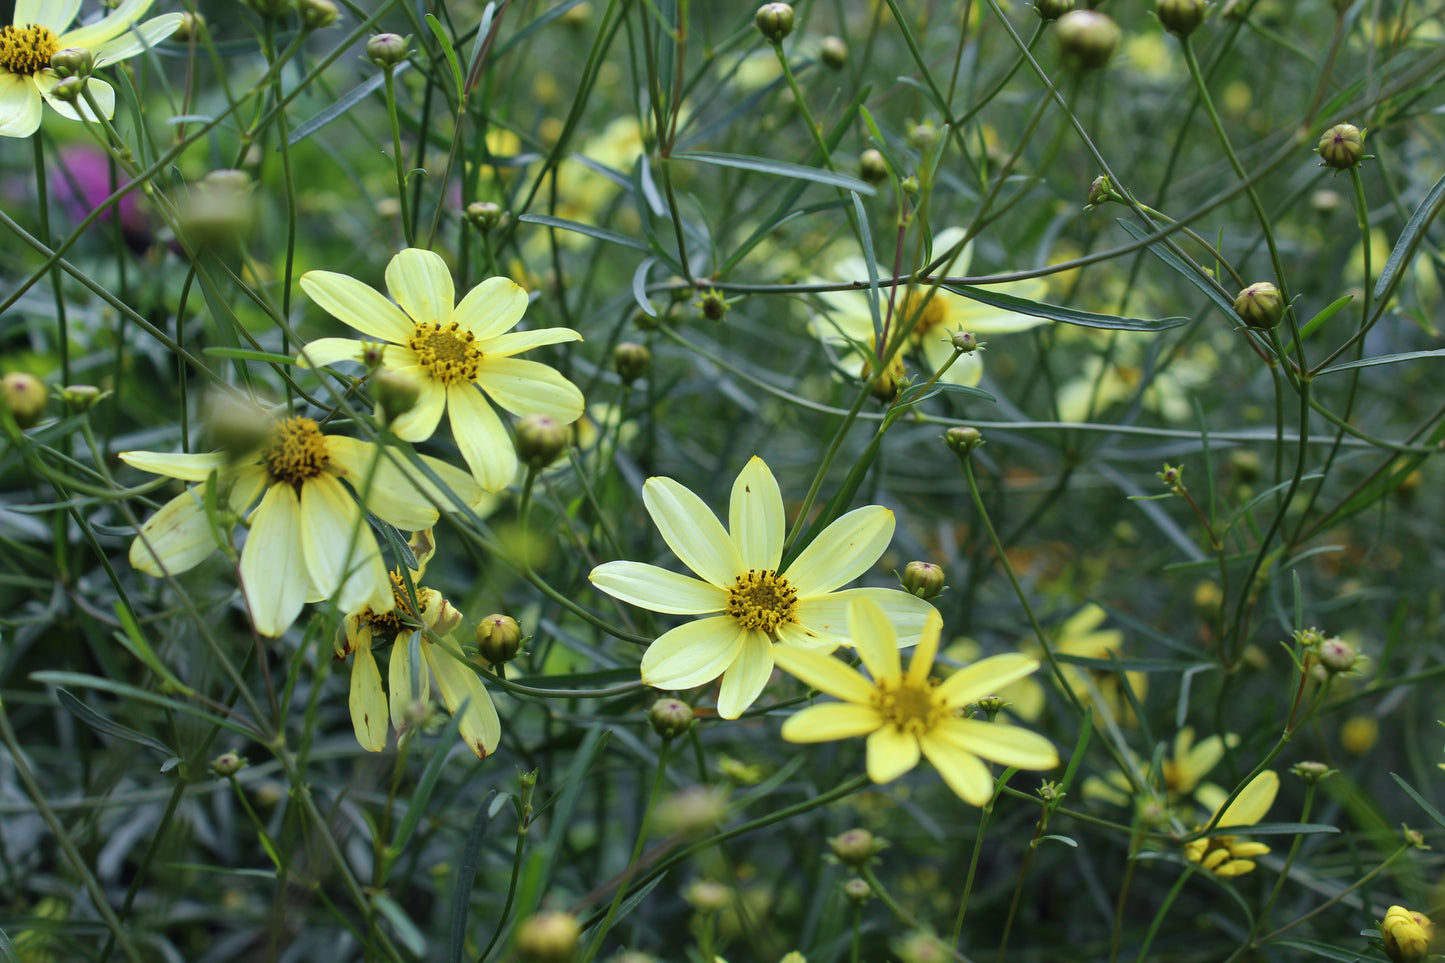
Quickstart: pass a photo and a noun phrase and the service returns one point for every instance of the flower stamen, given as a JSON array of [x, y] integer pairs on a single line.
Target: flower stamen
[[909, 708], [934, 313], [762, 600], [27, 50], [296, 453], [403, 617], [449, 354]]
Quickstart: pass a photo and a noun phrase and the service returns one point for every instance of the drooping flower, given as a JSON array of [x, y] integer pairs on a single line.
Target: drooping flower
[[433, 617], [308, 538], [450, 351], [1406, 934], [848, 320], [38, 32], [759, 609], [906, 715], [1229, 855]]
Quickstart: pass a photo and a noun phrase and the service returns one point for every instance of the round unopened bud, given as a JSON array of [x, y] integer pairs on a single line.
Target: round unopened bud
[[1337, 655], [1101, 191], [921, 948], [991, 705], [1244, 464], [1342, 146], [1053, 9], [316, 14], [550, 936], [922, 136], [540, 440], [873, 166], [81, 397], [693, 811], [70, 90], [485, 216], [217, 212], [1312, 772], [856, 847], [966, 342], [1259, 305], [237, 428], [228, 764], [192, 27], [923, 579], [386, 50], [1358, 734], [1406, 934], [1325, 201], [498, 639], [631, 360], [73, 61], [270, 9], [858, 891], [909, 185], [962, 438], [774, 20], [834, 53], [25, 396], [396, 393], [713, 305], [1181, 17], [705, 896], [670, 718], [1087, 39]]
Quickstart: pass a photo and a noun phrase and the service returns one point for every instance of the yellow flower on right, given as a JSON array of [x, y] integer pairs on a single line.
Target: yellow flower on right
[[1228, 855], [906, 715], [1407, 935]]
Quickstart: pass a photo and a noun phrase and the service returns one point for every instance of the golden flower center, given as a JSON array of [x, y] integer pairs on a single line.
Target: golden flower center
[[935, 313], [296, 452], [402, 618], [27, 50], [762, 600], [908, 707], [448, 353]]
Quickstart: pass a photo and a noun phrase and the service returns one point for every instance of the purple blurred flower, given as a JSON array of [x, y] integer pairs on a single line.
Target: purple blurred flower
[[83, 181]]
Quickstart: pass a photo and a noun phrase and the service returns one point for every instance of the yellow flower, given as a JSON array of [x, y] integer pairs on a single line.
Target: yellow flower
[[450, 351], [848, 320], [906, 715], [38, 33], [758, 605], [1228, 855], [461, 688], [1183, 770], [308, 538], [1170, 391], [1406, 934], [1080, 636]]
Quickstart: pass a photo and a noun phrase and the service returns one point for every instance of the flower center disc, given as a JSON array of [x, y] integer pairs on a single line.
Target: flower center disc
[[449, 354], [296, 452], [762, 600], [27, 50], [403, 617], [935, 313], [909, 708]]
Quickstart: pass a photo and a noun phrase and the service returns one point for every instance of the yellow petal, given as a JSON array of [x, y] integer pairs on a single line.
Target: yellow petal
[[367, 702]]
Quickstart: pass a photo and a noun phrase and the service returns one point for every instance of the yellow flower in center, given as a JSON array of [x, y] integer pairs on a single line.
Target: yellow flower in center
[[762, 600], [296, 453], [27, 50]]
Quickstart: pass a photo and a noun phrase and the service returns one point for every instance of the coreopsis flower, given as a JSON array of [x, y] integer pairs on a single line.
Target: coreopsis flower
[[308, 538], [1229, 855], [460, 687], [1173, 380], [450, 351], [752, 608], [906, 715], [38, 32], [1183, 770], [1406, 934], [848, 320]]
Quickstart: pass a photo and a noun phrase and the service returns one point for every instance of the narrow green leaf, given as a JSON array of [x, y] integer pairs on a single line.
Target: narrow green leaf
[[1420, 801], [448, 50], [425, 786], [1188, 273], [103, 723], [1410, 239], [466, 875], [135, 642], [766, 165], [601, 234], [405, 929], [1382, 359], [1054, 312], [246, 354], [80, 680], [1275, 829], [1325, 950], [639, 286], [1313, 324], [1072, 844], [348, 100]]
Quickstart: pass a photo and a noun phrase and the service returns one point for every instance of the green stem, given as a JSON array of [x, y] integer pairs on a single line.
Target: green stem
[[390, 74]]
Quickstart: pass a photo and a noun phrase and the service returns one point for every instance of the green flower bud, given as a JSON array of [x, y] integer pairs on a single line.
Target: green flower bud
[[228, 764], [1312, 772], [670, 718], [81, 397], [540, 440], [386, 50], [486, 216], [713, 305], [1336, 655], [873, 166], [1180, 17], [217, 212], [1101, 191], [1087, 39], [962, 439], [631, 360], [192, 27], [396, 393], [73, 62], [1053, 9], [548, 937], [922, 136], [25, 396], [1259, 305], [909, 185], [498, 638], [316, 14], [965, 342], [1342, 146], [834, 53], [775, 21], [235, 426], [71, 90], [858, 891], [707, 897], [923, 579], [270, 9], [856, 847]]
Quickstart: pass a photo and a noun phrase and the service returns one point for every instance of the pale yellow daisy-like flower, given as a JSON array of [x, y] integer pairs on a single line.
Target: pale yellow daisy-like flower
[[848, 320], [38, 32], [461, 688], [908, 715], [308, 538], [1229, 855], [450, 351], [760, 609], [1183, 770]]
